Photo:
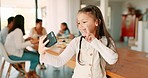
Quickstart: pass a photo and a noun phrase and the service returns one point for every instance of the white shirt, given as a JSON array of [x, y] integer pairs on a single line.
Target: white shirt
[[3, 35], [33, 33], [94, 64], [15, 43]]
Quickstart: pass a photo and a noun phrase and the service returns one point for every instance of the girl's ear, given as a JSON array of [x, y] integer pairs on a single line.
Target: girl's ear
[[98, 22]]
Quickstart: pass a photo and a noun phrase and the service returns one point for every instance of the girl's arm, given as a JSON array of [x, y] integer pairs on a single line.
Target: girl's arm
[[56, 61], [108, 54]]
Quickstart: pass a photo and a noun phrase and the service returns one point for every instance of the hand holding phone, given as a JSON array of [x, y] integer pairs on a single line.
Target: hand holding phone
[[52, 39]]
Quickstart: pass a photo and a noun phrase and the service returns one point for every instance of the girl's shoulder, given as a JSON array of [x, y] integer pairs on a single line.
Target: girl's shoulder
[[76, 39], [73, 43], [103, 38]]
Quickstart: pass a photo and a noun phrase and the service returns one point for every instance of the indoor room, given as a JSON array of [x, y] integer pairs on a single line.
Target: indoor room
[[73, 38]]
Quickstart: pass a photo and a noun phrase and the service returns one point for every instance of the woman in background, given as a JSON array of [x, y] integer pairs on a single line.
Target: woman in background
[[15, 46]]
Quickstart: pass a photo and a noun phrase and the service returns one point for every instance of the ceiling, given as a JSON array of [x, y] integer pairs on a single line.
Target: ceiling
[[41, 3]]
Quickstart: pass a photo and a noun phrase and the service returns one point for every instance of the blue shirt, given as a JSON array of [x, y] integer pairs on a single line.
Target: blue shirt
[[3, 35], [66, 33]]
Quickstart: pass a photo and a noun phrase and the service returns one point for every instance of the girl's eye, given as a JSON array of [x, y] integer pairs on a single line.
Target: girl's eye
[[84, 22], [78, 23]]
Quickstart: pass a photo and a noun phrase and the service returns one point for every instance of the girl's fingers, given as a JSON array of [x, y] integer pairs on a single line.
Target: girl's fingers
[[46, 48], [89, 37], [42, 38], [87, 29], [45, 42]]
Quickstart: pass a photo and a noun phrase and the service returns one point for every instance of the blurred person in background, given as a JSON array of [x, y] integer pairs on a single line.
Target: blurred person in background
[[64, 31], [36, 32], [15, 46], [4, 32]]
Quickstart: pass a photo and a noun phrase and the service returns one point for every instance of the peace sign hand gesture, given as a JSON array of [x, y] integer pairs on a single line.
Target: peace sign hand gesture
[[89, 36]]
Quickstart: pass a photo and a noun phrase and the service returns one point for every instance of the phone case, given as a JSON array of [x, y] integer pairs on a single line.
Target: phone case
[[52, 39]]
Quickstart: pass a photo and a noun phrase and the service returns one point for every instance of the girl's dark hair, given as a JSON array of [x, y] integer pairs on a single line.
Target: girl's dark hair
[[65, 24], [101, 30], [18, 23]]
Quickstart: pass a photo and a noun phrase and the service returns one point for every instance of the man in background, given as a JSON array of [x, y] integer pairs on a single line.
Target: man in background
[[4, 32]]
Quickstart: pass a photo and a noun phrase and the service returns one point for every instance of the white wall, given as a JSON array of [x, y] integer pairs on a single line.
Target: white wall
[[74, 6], [62, 11], [116, 14]]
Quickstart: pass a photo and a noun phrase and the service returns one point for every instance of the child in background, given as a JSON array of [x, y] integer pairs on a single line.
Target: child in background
[[93, 49], [64, 30]]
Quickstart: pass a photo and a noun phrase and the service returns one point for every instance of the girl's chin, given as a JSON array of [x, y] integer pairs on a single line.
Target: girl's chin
[[83, 33]]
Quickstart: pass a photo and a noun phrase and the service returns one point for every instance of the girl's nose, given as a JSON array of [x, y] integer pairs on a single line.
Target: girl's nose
[[81, 26]]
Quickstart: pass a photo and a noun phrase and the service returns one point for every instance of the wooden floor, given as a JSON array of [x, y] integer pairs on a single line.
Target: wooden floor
[[50, 72], [131, 64]]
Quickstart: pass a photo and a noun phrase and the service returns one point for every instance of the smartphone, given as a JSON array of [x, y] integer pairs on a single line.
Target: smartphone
[[52, 39]]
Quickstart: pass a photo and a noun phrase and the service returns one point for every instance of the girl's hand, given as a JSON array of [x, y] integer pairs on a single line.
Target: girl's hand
[[42, 49], [89, 36]]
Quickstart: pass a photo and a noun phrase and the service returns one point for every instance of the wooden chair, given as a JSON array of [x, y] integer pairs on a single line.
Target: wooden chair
[[6, 58]]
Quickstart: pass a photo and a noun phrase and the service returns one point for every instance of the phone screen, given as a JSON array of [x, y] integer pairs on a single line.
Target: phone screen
[[52, 39]]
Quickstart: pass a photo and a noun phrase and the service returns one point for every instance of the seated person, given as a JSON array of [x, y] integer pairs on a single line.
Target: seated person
[[38, 30], [15, 46], [4, 32], [64, 31]]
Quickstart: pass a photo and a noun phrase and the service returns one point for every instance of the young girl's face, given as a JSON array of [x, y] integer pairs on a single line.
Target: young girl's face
[[86, 23], [63, 27]]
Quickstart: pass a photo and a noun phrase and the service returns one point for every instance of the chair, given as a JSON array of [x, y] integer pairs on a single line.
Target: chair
[[6, 58]]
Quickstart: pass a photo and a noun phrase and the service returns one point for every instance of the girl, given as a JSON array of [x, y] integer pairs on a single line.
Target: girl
[[92, 49], [64, 30], [15, 46]]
